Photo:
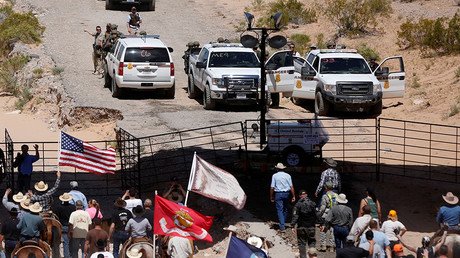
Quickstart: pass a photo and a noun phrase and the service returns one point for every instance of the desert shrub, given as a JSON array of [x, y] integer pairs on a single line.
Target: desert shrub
[[16, 27], [38, 72], [415, 83], [258, 5], [7, 71], [440, 35], [293, 12], [356, 16], [301, 42], [320, 42], [57, 70], [367, 52], [24, 97], [457, 73]]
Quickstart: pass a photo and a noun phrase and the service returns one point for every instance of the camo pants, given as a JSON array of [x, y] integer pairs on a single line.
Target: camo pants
[[326, 239]]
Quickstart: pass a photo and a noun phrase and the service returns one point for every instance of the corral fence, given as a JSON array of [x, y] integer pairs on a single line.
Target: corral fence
[[377, 147]]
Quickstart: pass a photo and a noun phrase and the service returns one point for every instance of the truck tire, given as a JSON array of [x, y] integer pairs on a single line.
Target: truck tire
[[116, 91], [191, 89], [208, 102], [152, 5], [297, 101], [108, 5], [171, 92], [321, 106], [376, 110], [293, 156]]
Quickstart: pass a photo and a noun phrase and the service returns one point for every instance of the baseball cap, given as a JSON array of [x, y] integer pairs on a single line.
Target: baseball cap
[[73, 184], [397, 248], [392, 213]]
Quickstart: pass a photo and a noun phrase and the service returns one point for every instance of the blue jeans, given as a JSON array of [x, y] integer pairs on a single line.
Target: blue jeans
[[75, 244], [282, 202], [340, 236], [65, 241], [119, 237]]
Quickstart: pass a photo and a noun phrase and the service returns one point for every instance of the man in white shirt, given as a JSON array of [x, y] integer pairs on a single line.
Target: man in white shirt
[[280, 188], [361, 223], [179, 247], [79, 222], [131, 200]]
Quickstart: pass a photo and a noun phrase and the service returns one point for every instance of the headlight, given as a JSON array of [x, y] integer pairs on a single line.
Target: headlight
[[377, 88], [218, 81], [330, 88]]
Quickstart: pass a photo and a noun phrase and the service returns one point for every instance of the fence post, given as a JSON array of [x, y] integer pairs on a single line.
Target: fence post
[[138, 141], [377, 149]]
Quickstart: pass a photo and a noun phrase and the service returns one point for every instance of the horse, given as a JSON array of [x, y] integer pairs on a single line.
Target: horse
[[452, 242], [52, 233], [30, 248], [144, 245]]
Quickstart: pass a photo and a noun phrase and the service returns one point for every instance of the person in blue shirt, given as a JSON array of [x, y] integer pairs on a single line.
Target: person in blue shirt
[[77, 195], [449, 214], [24, 163], [280, 188]]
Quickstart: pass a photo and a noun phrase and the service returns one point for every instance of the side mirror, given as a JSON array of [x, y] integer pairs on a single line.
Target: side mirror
[[270, 66], [170, 49], [200, 65], [306, 71], [383, 71]]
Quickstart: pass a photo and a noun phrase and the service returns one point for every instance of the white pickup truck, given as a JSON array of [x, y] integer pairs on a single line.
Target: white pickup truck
[[224, 72], [339, 79]]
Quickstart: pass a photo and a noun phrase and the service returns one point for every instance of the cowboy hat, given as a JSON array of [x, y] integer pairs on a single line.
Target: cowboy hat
[[255, 241], [450, 198], [280, 166], [175, 196], [65, 197], [35, 208], [25, 204], [231, 228], [41, 186], [138, 211], [331, 162], [134, 253], [19, 197], [342, 198], [120, 203]]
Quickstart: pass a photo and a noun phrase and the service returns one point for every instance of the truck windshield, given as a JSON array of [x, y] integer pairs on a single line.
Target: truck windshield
[[144, 55], [344, 66], [233, 59]]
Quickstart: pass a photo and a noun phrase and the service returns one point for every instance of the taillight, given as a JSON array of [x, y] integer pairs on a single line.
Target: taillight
[[120, 69], [171, 69]]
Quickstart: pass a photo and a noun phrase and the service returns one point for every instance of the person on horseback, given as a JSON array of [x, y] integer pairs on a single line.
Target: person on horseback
[[131, 199], [45, 198], [449, 214], [31, 224], [10, 205], [62, 210], [138, 226], [426, 251], [9, 232]]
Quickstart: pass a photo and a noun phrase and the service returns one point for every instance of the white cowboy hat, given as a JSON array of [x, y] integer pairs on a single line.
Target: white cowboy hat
[[255, 241], [65, 197], [342, 198], [25, 204], [134, 253], [35, 208], [450, 198], [19, 197], [231, 228], [280, 166], [41, 186]]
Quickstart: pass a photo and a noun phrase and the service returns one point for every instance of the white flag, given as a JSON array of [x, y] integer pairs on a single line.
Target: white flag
[[215, 183]]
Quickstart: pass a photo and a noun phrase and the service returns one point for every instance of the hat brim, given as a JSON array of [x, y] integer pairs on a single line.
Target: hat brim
[[331, 164], [40, 189], [255, 241], [342, 201], [31, 209], [64, 200], [455, 201], [17, 199], [130, 254], [280, 167]]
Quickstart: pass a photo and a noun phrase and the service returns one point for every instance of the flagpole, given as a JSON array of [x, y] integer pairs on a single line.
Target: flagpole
[[191, 177], [154, 236], [229, 241], [59, 150]]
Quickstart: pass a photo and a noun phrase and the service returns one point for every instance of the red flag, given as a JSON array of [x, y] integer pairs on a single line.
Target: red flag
[[172, 219]]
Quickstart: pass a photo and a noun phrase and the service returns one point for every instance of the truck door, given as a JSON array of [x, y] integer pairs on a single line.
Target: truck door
[[393, 79], [110, 59], [200, 73], [280, 71], [305, 82]]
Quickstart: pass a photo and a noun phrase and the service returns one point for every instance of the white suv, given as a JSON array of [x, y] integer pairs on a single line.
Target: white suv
[[142, 63]]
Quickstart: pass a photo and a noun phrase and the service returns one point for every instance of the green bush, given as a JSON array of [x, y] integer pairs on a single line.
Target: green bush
[[320, 42], [38, 72], [258, 5], [7, 71], [57, 70], [22, 27], [356, 16], [293, 12], [415, 82], [24, 97], [440, 35], [301, 42], [367, 52]]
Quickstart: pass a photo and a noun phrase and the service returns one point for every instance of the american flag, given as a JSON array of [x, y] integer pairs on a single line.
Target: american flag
[[81, 155]]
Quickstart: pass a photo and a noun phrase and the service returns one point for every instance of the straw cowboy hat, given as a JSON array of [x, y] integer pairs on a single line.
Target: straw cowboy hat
[[65, 197], [19, 197], [25, 204], [134, 253], [35, 208], [331, 162], [41, 186], [280, 166], [255, 241], [450, 198], [342, 198]]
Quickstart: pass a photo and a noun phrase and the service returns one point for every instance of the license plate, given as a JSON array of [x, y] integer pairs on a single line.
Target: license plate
[[357, 101], [241, 95], [130, 1]]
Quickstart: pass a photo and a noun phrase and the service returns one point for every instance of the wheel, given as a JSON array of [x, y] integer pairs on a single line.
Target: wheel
[[107, 78], [275, 98], [297, 101], [169, 93], [116, 91], [208, 102], [321, 106], [108, 5], [293, 156], [377, 109], [191, 89], [152, 5]]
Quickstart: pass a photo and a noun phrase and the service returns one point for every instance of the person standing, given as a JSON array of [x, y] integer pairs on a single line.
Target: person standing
[[63, 209], [45, 199], [77, 195], [134, 21], [94, 235], [280, 188], [130, 199], [10, 232], [94, 210], [329, 175], [378, 250], [379, 237], [393, 228], [23, 162], [79, 223], [96, 49], [351, 251], [120, 218], [361, 223], [102, 250], [373, 203], [180, 247], [329, 200], [340, 218], [148, 214], [449, 214], [303, 222]]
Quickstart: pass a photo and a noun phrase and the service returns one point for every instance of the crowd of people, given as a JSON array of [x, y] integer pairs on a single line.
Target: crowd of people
[[369, 235]]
